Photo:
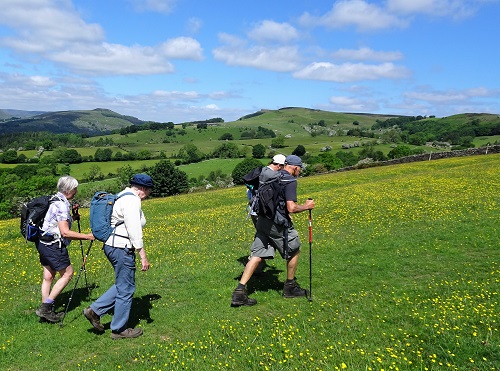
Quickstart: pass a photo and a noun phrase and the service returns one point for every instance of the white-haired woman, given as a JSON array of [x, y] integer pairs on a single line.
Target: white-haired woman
[[52, 247]]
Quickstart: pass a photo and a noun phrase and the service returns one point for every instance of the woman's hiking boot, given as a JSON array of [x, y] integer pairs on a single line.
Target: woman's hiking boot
[[46, 311], [240, 297], [293, 290]]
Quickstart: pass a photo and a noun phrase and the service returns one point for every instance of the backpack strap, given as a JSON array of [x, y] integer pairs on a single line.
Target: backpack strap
[[120, 222], [45, 236]]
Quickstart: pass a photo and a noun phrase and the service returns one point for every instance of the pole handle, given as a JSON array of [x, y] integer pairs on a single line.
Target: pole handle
[[310, 224]]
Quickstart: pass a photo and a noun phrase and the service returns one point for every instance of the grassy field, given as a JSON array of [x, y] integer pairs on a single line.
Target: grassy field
[[405, 276]]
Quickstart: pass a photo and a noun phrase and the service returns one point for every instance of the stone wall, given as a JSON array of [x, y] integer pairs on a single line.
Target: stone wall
[[427, 157]]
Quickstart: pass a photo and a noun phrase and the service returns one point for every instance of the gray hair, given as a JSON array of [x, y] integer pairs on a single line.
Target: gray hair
[[66, 184]]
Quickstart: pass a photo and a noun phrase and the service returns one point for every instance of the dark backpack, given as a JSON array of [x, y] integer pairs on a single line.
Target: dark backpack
[[32, 215], [252, 179], [101, 208], [270, 200]]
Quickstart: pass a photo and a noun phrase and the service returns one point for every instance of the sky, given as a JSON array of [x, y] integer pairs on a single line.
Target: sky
[[186, 60]]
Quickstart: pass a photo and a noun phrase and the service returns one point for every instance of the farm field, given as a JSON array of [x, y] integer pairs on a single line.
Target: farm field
[[405, 276]]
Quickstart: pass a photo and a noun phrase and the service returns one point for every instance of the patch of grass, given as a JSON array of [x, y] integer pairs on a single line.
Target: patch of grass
[[405, 276]]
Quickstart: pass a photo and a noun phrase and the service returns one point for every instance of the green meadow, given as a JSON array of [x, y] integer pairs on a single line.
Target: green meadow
[[405, 276]]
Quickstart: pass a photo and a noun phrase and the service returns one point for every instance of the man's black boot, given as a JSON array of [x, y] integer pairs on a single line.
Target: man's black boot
[[293, 290], [240, 297]]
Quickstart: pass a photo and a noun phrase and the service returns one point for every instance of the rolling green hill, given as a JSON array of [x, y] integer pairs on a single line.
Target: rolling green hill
[[94, 122]]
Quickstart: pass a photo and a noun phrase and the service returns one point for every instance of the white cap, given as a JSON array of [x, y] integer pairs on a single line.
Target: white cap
[[279, 159]]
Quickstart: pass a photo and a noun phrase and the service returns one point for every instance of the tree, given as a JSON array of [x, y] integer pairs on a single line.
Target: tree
[[118, 156], [94, 173], [189, 153], [124, 173], [103, 155], [299, 150], [243, 168], [226, 150], [278, 142], [226, 136], [168, 180], [69, 156], [399, 151], [47, 165], [9, 157], [347, 158], [258, 151], [330, 161], [144, 154]]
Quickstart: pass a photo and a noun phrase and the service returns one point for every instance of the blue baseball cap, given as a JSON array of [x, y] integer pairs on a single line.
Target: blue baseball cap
[[143, 180], [294, 161]]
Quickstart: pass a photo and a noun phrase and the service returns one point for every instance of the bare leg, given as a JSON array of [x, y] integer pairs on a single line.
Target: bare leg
[[66, 276], [48, 277], [251, 266], [291, 266]]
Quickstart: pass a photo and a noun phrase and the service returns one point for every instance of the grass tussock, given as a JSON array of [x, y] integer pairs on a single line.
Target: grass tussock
[[405, 276]]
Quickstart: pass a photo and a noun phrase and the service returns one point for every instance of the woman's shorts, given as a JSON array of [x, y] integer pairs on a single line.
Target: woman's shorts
[[53, 256]]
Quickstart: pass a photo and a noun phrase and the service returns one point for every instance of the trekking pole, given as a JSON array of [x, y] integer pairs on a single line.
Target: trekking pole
[[82, 268], [310, 254], [76, 216]]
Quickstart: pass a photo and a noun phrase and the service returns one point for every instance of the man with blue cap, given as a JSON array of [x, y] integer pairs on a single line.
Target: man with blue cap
[[120, 248], [277, 234]]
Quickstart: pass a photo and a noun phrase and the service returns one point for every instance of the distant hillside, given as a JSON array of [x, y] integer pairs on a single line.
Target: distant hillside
[[9, 114], [305, 116], [93, 122]]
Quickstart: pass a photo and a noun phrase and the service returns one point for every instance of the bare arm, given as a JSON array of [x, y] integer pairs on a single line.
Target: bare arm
[[68, 233], [293, 207]]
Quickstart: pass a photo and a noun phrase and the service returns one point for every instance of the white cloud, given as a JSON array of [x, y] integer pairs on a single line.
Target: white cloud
[[235, 53], [182, 48], [451, 96], [176, 95], [52, 29], [273, 31], [366, 16], [438, 8], [325, 71], [27, 82], [114, 59], [44, 25], [365, 54], [358, 13]]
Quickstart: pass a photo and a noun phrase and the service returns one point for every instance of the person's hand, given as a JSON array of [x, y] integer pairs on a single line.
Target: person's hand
[[91, 237], [309, 204], [145, 264]]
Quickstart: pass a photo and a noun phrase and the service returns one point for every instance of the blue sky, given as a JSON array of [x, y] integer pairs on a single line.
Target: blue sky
[[185, 60]]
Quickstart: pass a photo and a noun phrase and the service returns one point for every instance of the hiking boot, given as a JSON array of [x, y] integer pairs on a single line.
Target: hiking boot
[[46, 311], [293, 290], [127, 334], [240, 297], [93, 318]]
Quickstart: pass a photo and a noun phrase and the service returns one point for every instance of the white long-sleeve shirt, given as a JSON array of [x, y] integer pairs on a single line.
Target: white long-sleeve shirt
[[128, 234]]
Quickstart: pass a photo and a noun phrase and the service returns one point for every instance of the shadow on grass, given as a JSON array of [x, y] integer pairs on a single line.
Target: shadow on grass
[[140, 309], [265, 278], [73, 298]]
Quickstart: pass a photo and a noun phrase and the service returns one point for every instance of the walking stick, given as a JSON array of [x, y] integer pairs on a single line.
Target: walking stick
[[76, 216], [310, 254], [82, 268]]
